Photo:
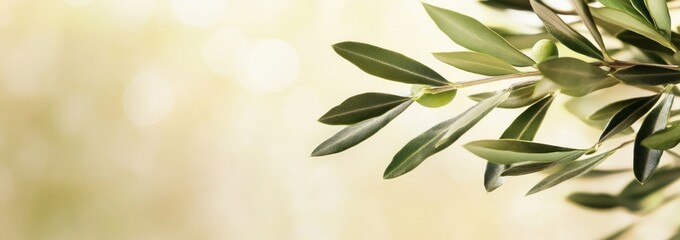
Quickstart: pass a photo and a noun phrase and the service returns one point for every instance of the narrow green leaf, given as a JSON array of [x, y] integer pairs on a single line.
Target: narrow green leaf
[[642, 42], [564, 33], [570, 170], [520, 96], [641, 8], [428, 143], [648, 75], [658, 10], [471, 34], [478, 63], [524, 127], [608, 111], [646, 160], [664, 139], [357, 133], [626, 21], [529, 168], [508, 4], [662, 178], [575, 77], [508, 151], [387, 64], [583, 11], [525, 41], [472, 115], [594, 200], [627, 116], [361, 107], [624, 6]]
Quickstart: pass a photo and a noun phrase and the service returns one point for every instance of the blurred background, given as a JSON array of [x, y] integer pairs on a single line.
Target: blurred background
[[194, 119]]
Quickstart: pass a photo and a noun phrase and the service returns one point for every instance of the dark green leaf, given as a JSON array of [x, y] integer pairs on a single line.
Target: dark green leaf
[[608, 111], [471, 34], [583, 10], [524, 127], [642, 42], [594, 200], [564, 33], [658, 10], [508, 4], [662, 178], [575, 77], [508, 151], [361, 107], [645, 160], [521, 96], [429, 142], [627, 116], [624, 6], [664, 139], [387, 64], [357, 133], [478, 63], [569, 171], [641, 8], [648, 75], [629, 22]]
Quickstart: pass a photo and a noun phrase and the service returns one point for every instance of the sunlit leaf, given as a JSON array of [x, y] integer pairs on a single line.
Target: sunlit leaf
[[648, 75], [528, 168], [641, 8], [658, 10], [361, 107], [642, 42], [594, 200], [564, 33], [646, 160], [473, 35], [583, 10], [429, 142], [624, 6], [508, 151], [357, 133], [665, 139], [478, 63], [387, 64], [520, 96], [570, 170], [631, 23], [575, 77], [627, 116]]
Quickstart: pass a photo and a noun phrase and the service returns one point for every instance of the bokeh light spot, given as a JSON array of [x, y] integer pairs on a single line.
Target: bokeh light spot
[[148, 99], [271, 65], [225, 50], [199, 13]]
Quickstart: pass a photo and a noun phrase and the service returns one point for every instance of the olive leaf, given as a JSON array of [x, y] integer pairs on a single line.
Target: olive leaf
[[631, 23], [564, 33], [595, 173], [648, 75], [520, 96], [510, 151], [478, 63], [624, 6], [361, 107], [608, 111], [594, 200], [662, 179], [627, 116], [473, 35], [511, 4], [665, 139], [583, 11], [642, 42], [641, 8], [357, 133], [430, 142], [569, 171], [575, 77], [658, 10], [524, 127], [646, 160], [387, 64]]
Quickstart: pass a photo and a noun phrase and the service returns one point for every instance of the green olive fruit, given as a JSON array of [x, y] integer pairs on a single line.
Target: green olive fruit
[[544, 50], [422, 96]]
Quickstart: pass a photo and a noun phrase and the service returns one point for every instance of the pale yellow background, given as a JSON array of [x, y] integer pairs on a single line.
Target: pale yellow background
[[194, 119]]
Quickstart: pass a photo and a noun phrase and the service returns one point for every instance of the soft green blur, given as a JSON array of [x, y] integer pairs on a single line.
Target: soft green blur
[[194, 119]]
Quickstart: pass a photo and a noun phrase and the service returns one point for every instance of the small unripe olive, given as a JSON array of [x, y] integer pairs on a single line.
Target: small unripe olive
[[429, 99], [543, 50]]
